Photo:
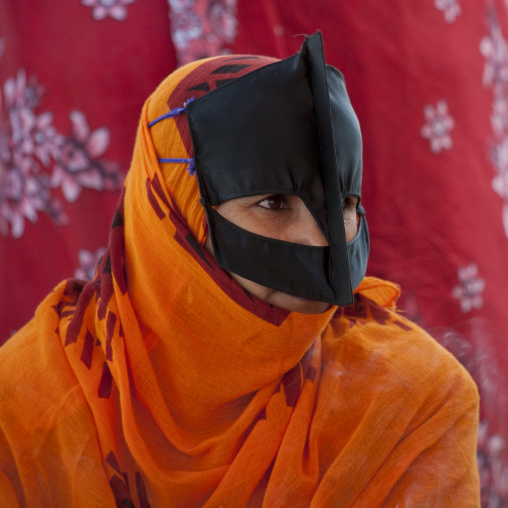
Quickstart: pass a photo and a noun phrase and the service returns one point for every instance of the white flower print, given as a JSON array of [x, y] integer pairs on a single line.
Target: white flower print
[[223, 20], [495, 51], [103, 8], [495, 76], [499, 155], [202, 28], [31, 148], [499, 158], [469, 288], [492, 467], [27, 141], [186, 27], [38, 136], [88, 261], [451, 9], [77, 165], [499, 115], [500, 186], [23, 193], [437, 127], [181, 5], [22, 93]]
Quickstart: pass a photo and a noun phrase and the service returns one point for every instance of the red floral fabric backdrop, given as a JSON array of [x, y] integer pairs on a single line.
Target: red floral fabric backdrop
[[428, 79], [73, 78]]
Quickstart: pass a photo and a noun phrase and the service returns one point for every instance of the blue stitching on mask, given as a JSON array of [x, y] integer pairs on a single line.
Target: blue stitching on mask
[[171, 114], [175, 112], [190, 168]]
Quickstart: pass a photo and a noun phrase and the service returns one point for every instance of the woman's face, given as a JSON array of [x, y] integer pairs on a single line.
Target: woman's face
[[283, 217]]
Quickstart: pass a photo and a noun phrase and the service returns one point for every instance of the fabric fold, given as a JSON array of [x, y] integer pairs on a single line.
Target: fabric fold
[[163, 383]]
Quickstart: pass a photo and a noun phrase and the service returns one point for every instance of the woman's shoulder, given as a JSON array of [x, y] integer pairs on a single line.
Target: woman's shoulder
[[35, 371], [402, 401], [373, 335]]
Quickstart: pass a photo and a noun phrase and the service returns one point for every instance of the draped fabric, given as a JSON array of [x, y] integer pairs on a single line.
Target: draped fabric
[[162, 383], [427, 80]]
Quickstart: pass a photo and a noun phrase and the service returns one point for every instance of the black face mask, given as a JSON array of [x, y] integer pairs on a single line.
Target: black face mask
[[286, 128]]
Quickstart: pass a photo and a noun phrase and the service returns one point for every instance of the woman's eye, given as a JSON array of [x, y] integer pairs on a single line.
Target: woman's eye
[[274, 202]]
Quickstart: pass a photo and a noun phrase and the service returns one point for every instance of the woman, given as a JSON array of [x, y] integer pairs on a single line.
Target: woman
[[208, 363]]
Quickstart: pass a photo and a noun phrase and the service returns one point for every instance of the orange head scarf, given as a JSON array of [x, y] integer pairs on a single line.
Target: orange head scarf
[[206, 360], [162, 383]]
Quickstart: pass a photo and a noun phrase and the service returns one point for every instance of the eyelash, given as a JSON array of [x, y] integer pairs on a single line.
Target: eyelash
[[284, 203], [348, 203]]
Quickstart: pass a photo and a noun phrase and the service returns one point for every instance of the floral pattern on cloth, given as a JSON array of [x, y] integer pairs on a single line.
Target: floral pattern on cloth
[[469, 288], [36, 158], [115, 9], [450, 8], [493, 470], [78, 165], [202, 28], [88, 262], [437, 126], [494, 48]]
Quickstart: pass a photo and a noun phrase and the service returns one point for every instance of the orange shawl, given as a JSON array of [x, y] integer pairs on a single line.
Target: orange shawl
[[162, 383]]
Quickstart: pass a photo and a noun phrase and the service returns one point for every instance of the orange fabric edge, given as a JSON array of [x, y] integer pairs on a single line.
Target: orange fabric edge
[[380, 291]]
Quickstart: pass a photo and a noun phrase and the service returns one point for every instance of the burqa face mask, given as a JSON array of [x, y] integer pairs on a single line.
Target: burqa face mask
[[286, 128]]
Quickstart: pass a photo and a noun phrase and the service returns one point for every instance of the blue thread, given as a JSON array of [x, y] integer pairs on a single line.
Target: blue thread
[[171, 114], [176, 160], [191, 168]]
